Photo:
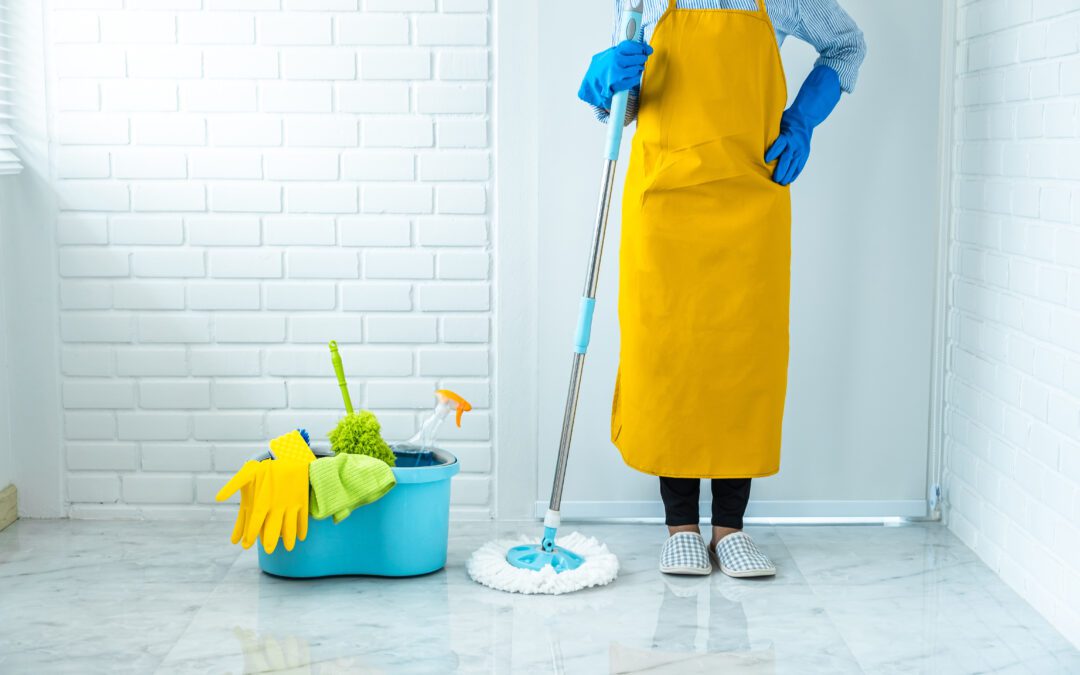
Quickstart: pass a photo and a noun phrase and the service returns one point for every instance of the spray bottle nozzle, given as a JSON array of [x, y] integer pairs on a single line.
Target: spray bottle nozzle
[[424, 439], [462, 406]]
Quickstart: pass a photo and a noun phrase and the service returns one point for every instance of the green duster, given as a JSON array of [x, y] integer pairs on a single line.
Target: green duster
[[359, 433]]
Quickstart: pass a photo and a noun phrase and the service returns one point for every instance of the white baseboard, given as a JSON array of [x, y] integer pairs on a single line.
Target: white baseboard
[[759, 509]]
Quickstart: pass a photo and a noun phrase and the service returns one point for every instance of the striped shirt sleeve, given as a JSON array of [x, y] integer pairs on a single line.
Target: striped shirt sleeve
[[832, 32], [822, 23]]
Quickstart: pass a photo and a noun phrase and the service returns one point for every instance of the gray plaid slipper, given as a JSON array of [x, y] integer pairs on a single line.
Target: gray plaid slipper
[[685, 553], [739, 557]]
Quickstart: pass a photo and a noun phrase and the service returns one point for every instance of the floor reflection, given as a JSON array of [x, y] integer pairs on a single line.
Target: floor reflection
[[699, 629], [291, 655], [363, 624], [693, 618], [91, 597]]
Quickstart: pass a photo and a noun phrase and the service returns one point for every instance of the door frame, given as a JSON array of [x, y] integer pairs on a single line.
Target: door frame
[[516, 154], [516, 151], [935, 458]]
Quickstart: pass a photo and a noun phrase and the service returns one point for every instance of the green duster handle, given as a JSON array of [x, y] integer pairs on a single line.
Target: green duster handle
[[336, 358]]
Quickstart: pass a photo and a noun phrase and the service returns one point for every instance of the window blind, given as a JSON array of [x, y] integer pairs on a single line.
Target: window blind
[[9, 160]]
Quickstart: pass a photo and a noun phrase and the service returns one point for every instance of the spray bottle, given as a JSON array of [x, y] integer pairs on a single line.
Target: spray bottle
[[419, 450]]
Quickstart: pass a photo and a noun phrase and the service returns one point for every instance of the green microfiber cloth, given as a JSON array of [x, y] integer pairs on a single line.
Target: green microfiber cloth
[[344, 482]]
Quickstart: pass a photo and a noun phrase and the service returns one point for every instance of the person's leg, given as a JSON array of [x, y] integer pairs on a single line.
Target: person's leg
[[735, 551], [729, 499], [684, 552], [680, 496]]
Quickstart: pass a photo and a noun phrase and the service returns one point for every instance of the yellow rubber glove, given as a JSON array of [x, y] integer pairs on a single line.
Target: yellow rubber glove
[[292, 446], [246, 480], [280, 508]]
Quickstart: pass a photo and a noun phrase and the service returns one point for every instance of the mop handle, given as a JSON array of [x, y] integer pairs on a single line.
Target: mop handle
[[630, 27], [340, 372]]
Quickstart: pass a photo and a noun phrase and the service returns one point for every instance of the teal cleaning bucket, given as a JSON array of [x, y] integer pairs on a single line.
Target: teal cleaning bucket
[[403, 534]]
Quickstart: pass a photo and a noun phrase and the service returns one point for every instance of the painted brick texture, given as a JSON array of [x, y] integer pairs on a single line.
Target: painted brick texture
[[241, 182], [1013, 392]]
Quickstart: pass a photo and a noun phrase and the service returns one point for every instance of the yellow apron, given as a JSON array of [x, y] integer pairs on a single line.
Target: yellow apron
[[705, 255]]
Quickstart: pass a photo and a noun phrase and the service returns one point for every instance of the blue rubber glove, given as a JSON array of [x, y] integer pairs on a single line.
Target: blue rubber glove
[[816, 99], [613, 70]]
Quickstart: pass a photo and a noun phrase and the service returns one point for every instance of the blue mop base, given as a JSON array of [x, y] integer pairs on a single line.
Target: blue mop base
[[534, 557]]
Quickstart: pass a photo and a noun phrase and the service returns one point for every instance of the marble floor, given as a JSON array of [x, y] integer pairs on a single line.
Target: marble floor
[[85, 597]]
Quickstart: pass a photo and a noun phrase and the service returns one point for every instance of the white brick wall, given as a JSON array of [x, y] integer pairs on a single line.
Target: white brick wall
[[241, 182], [1013, 393]]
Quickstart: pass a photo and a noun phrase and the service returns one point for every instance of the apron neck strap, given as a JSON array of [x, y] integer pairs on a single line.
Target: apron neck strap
[[760, 5]]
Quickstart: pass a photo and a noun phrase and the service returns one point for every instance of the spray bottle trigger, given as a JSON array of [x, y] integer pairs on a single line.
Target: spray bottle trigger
[[461, 404]]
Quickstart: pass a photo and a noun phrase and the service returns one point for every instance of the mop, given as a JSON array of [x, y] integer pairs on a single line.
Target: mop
[[575, 561]]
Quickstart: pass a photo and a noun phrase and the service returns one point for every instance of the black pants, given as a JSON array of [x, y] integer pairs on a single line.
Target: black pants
[[729, 499]]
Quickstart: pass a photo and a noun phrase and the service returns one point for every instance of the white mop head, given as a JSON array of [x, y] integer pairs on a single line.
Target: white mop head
[[488, 566]]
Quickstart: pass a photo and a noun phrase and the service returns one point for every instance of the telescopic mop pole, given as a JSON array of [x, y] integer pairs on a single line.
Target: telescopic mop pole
[[631, 23]]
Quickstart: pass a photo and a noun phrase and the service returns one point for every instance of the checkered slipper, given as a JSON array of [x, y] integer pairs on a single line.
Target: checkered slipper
[[685, 553], [739, 557]]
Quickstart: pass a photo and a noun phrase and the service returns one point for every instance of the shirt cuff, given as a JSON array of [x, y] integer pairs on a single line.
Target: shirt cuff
[[848, 73], [631, 109]]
